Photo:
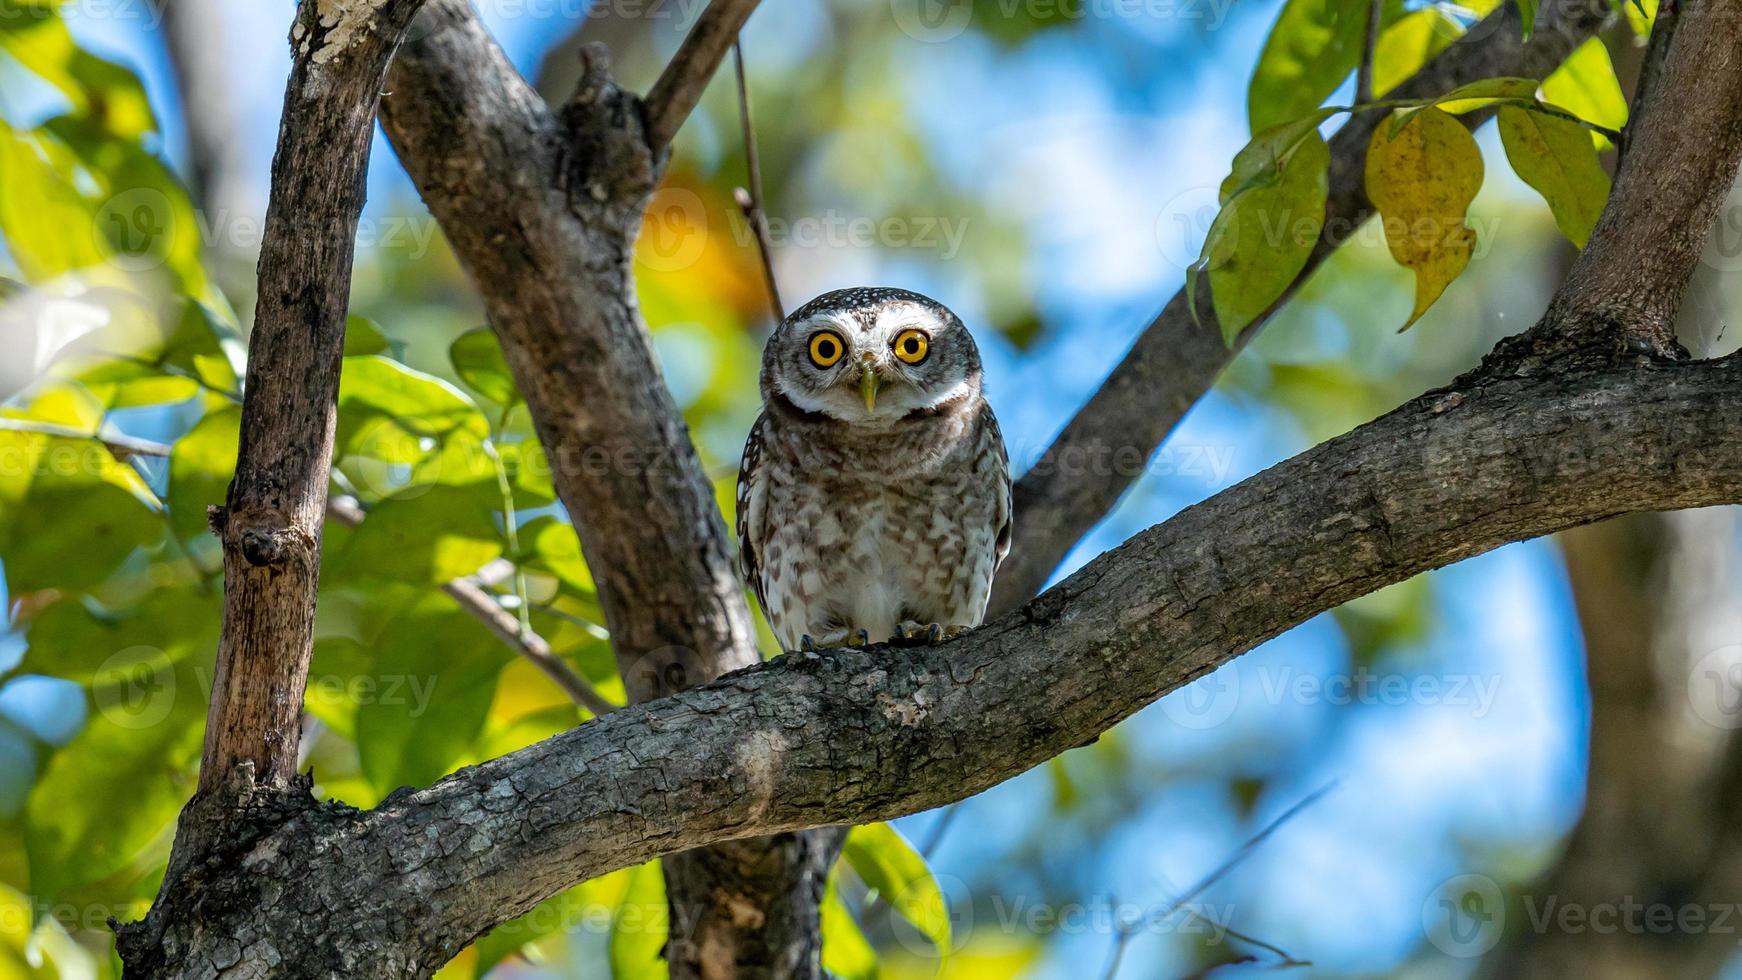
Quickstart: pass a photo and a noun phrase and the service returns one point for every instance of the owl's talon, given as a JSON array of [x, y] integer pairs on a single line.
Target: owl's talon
[[910, 633], [806, 644], [859, 638]]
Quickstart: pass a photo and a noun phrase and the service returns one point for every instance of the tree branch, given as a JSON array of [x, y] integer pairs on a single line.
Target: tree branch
[[1369, 45], [1651, 66], [750, 198], [543, 212], [271, 523], [1685, 141], [1176, 359], [121, 446], [857, 735], [852, 736], [680, 86]]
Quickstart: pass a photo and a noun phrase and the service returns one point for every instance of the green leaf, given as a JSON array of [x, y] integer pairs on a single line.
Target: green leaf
[[1557, 158], [1313, 47], [639, 929], [79, 641], [892, 868], [114, 790], [1262, 237], [847, 954], [431, 535], [1527, 17], [55, 490], [1260, 160], [140, 358], [550, 545], [45, 952], [1585, 85], [1641, 15], [103, 91], [391, 413], [140, 215], [44, 218], [479, 362], [421, 707], [201, 464], [1422, 181], [1407, 45], [364, 336]]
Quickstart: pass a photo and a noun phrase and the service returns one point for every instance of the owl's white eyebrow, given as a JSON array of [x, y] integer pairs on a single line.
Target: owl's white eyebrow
[[838, 321]]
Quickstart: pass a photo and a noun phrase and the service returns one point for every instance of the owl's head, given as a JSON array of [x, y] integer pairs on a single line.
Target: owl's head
[[871, 355]]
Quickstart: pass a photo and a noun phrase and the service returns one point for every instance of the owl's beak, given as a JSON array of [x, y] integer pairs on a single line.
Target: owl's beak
[[869, 382]]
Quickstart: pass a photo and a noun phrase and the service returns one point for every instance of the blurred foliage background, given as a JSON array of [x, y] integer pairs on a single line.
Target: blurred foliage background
[[1050, 171]]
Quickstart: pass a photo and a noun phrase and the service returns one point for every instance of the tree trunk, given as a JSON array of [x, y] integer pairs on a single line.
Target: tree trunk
[[1656, 596]]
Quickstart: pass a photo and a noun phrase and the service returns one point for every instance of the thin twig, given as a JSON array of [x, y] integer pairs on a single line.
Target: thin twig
[[750, 201], [939, 829], [1369, 43], [470, 593], [1129, 930], [680, 86], [122, 447]]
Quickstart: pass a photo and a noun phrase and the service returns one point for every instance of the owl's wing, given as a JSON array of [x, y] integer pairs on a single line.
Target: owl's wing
[[752, 505], [1001, 544]]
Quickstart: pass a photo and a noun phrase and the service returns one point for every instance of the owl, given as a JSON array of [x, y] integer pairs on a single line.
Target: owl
[[874, 495]]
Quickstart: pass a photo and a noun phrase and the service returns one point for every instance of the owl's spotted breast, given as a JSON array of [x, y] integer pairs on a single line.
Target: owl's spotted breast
[[848, 533]]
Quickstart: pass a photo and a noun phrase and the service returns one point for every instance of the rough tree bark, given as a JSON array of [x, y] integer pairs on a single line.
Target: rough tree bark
[[543, 209], [1547, 434], [270, 525]]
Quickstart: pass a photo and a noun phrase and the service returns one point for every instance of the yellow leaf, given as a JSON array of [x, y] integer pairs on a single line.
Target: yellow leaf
[[1585, 85], [1422, 180], [1556, 157], [1409, 44]]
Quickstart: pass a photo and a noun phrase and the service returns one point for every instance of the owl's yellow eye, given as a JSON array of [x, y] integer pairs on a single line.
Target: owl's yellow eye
[[827, 349], [911, 346]]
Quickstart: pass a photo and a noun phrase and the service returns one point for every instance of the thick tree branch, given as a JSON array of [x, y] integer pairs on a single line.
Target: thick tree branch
[[850, 736], [543, 211], [271, 523], [1176, 359], [680, 86], [303, 888], [1684, 141]]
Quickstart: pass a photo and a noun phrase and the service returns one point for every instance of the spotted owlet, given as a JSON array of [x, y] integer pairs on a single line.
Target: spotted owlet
[[874, 496]]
